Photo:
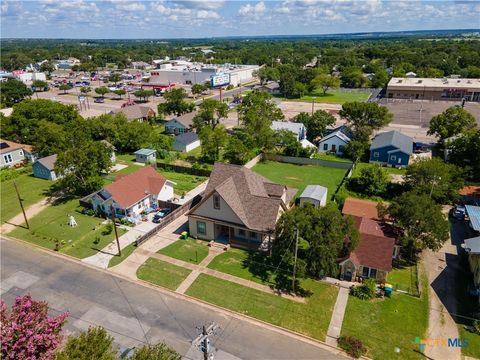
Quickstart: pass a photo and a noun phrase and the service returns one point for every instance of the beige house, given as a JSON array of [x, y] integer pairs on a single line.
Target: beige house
[[239, 208]]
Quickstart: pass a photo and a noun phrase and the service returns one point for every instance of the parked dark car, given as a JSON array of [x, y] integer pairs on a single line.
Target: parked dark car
[[99, 100], [459, 212], [160, 215]]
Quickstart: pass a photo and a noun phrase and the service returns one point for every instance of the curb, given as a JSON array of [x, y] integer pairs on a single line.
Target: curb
[[312, 341]]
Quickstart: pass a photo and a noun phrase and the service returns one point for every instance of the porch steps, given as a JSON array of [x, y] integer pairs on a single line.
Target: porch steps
[[218, 245]]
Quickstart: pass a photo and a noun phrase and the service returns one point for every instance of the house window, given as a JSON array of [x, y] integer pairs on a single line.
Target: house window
[[376, 154], [201, 228], [340, 148], [7, 158], [216, 202], [365, 271], [373, 273], [241, 232], [393, 157], [325, 147], [253, 235], [20, 152]]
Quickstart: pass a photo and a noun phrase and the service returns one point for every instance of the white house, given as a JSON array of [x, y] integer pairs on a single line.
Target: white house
[[186, 142], [298, 129], [130, 195], [334, 142]]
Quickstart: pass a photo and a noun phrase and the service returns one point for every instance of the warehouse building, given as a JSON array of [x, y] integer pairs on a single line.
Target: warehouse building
[[184, 72], [434, 89]]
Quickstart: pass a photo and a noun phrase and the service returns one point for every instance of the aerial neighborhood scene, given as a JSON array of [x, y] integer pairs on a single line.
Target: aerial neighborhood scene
[[240, 180]]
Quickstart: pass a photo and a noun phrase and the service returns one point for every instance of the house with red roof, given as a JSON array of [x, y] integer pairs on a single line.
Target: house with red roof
[[131, 195], [377, 246]]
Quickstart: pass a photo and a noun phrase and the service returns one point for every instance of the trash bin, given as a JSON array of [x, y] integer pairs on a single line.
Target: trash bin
[[388, 290], [184, 235]]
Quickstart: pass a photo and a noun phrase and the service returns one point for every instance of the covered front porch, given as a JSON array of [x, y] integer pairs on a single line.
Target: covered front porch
[[241, 237]]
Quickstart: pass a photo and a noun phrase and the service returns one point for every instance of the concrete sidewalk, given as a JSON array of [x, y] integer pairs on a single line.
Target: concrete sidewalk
[[335, 327]]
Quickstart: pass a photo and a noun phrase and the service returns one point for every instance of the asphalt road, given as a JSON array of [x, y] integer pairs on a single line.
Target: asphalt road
[[136, 314]]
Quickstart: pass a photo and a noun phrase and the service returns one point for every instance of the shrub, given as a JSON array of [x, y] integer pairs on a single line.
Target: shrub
[[352, 346], [476, 327], [108, 229], [97, 240], [372, 181], [366, 291], [95, 343]]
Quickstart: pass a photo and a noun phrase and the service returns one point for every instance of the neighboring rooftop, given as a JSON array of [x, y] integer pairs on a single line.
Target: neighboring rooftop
[[472, 245], [186, 138], [360, 208], [316, 192], [145, 152], [374, 252], [186, 119], [288, 125], [432, 83], [127, 190], [395, 138], [6, 146], [474, 216], [48, 161], [255, 200], [135, 112]]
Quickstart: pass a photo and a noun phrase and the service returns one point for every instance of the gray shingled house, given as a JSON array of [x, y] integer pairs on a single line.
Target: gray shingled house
[[44, 168], [391, 148]]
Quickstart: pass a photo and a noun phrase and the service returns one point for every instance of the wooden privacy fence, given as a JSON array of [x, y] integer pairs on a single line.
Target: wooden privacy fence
[[175, 214]]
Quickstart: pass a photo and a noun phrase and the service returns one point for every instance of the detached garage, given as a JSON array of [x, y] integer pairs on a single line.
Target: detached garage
[[314, 194], [186, 142]]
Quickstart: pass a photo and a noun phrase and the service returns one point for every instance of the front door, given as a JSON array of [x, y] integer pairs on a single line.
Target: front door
[[334, 148]]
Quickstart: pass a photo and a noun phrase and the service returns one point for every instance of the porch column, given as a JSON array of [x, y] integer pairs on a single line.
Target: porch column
[[230, 229]]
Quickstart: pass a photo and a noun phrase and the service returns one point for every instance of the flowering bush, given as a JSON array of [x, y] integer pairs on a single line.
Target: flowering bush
[[27, 332]]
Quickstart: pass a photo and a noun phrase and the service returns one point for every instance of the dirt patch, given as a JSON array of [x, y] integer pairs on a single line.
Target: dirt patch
[[292, 178]]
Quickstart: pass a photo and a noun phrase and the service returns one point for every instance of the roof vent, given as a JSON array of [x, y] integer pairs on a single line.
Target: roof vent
[[419, 81], [399, 81]]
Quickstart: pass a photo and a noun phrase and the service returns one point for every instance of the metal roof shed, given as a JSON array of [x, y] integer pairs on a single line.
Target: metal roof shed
[[474, 216]]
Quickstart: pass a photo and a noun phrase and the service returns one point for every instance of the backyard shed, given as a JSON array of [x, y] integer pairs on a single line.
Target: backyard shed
[[186, 142], [314, 194], [145, 156]]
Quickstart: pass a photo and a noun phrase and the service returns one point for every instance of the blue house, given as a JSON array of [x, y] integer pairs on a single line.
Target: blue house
[[44, 168], [180, 124], [391, 148]]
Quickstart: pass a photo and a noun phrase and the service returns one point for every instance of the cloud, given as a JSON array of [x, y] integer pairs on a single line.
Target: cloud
[[248, 9], [130, 6]]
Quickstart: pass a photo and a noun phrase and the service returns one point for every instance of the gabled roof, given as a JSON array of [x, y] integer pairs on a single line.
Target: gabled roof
[[145, 152], [7, 146], [48, 161], [186, 119], [135, 112], [393, 138], [474, 215], [316, 192], [294, 127], [272, 85], [129, 189], [186, 138], [253, 199], [360, 208], [337, 133], [472, 245]]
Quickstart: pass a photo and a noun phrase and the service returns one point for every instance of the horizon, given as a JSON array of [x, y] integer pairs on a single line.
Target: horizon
[[199, 19]]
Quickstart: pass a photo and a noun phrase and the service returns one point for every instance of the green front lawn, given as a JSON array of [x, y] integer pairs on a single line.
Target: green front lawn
[[188, 250], [404, 277], [473, 348], [333, 97], [299, 176], [385, 324], [162, 273], [251, 266], [31, 189], [330, 157], [126, 252], [51, 224], [310, 318]]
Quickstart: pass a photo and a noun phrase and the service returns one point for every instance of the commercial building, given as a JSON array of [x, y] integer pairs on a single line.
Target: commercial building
[[434, 89], [185, 72]]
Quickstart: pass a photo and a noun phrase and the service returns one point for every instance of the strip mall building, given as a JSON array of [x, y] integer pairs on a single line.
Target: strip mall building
[[434, 89]]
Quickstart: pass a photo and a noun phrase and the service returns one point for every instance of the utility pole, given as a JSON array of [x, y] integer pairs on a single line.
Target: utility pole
[[115, 228], [295, 262], [313, 104], [20, 200], [203, 343], [434, 180]]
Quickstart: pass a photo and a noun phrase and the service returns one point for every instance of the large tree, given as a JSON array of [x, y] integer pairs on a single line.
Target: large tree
[[49, 138], [27, 332], [421, 221], [435, 178], [256, 113], [325, 236], [213, 141], [209, 114], [102, 90], [155, 352], [236, 152], [268, 73], [352, 77], [175, 103], [451, 122], [464, 151], [315, 123], [364, 117], [95, 343], [82, 166], [326, 82], [372, 181], [12, 92]]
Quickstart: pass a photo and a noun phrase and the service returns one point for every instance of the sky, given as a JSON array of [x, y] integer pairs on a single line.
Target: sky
[[110, 19]]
